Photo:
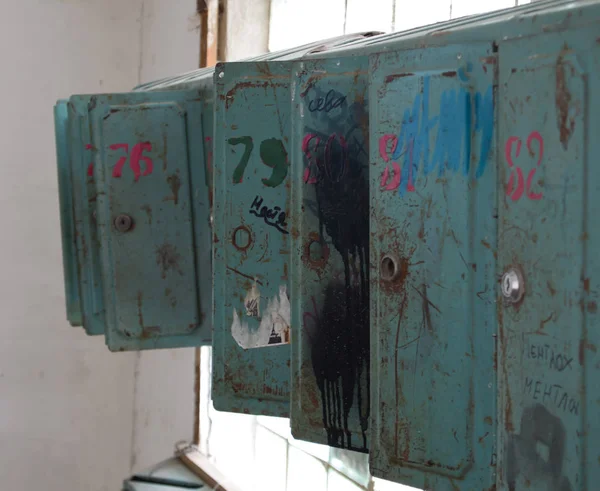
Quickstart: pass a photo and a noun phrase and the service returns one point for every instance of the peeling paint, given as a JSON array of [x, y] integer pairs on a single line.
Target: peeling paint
[[274, 328]]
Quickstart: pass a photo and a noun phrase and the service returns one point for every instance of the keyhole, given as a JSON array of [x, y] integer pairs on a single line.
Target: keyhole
[[512, 285], [389, 268], [123, 223]]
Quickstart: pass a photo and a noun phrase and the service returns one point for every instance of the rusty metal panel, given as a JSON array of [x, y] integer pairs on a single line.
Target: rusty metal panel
[[432, 229], [83, 188], [330, 253], [152, 219], [251, 245], [548, 322], [67, 222]]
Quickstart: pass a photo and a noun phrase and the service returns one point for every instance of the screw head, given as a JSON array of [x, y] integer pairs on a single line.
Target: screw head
[[123, 223], [512, 285]]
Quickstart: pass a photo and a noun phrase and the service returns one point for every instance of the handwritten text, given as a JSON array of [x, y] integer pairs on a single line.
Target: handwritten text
[[553, 394], [272, 216], [555, 361], [327, 103]]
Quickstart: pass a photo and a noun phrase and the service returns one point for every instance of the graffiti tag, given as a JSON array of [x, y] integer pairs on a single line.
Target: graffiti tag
[[462, 113]]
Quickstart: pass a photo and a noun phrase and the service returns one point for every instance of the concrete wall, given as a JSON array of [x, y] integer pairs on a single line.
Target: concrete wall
[[66, 403], [72, 414]]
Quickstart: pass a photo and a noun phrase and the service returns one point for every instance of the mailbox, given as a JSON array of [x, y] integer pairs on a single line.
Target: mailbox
[[393, 233], [480, 198], [330, 250], [142, 242], [252, 232]]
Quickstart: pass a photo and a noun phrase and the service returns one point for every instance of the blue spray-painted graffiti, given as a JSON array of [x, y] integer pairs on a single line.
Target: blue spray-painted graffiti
[[463, 114]]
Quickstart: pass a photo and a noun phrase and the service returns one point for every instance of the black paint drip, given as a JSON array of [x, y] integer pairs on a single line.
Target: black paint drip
[[340, 344]]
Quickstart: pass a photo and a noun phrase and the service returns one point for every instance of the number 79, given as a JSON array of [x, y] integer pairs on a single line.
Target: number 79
[[272, 154]]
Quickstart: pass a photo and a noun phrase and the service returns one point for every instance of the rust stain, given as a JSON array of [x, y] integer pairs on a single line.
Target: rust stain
[[148, 211], [175, 184], [391, 78], [449, 74], [508, 423], [563, 98], [545, 321], [167, 259], [551, 288], [165, 150], [234, 238], [316, 264], [592, 307], [140, 298], [586, 285], [244, 275], [230, 95], [150, 332]]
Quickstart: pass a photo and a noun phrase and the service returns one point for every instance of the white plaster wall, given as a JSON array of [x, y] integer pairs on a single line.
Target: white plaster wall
[[66, 403]]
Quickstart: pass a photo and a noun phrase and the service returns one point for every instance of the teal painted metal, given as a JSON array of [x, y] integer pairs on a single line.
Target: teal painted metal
[[432, 311], [140, 155], [150, 166], [251, 238], [83, 217], [547, 189], [251, 245], [480, 134], [67, 224], [330, 252]]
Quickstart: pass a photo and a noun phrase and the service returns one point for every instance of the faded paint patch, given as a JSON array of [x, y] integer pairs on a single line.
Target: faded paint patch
[[168, 258], [274, 328]]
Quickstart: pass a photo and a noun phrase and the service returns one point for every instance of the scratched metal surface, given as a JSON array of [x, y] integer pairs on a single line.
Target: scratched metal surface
[[433, 273], [330, 253], [203, 76], [251, 143], [155, 277], [67, 223], [549, 419], [83, 188]]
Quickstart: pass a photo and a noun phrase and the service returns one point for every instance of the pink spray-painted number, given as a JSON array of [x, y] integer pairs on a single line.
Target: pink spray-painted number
[[390, 181], [134, 159], [328, 161], [310, 172], [516, 190]]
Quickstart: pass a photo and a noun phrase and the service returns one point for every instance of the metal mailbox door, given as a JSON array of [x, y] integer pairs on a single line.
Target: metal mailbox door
[[330, 253], [152, 219], [82, 191], [251, 245], [432, 299], [549, 423], [67, 224]]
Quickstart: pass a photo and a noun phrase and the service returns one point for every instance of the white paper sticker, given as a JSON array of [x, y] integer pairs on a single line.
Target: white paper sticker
[[274, 328]]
